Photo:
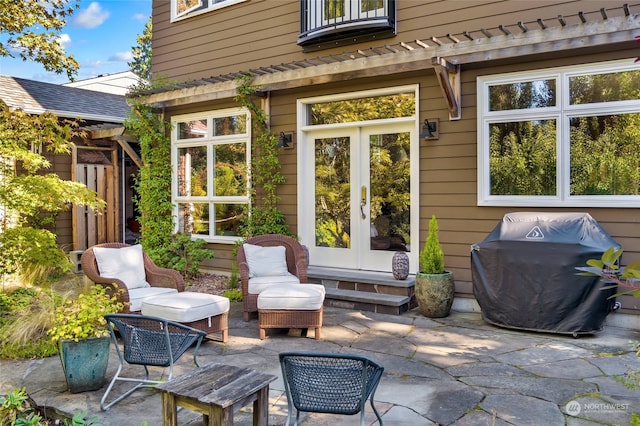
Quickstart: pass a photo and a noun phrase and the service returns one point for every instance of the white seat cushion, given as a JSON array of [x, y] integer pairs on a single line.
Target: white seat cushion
[[303, 297], [137, 295], [265, 261], [186, 306], [258, 284], [125, 264]]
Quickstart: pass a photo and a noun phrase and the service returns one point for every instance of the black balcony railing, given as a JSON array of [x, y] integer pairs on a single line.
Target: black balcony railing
[[328, 23]]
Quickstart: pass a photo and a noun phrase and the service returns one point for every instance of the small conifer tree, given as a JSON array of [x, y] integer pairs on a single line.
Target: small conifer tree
[[432, 256]]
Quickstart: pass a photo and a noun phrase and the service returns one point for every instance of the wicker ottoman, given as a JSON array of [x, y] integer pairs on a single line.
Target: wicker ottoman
[[291, 306], [206, 312]]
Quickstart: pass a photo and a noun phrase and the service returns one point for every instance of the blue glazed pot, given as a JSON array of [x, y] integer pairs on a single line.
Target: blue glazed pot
[[85, 363]]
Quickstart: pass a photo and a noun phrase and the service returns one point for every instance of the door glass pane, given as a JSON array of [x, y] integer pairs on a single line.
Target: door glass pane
[[390, 198], [192, 171], [332, 192], [363, 109]]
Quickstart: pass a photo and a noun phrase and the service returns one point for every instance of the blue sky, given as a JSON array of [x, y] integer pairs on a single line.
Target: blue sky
[[99, 34]]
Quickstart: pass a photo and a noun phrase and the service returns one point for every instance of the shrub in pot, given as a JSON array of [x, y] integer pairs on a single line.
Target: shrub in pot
[[82, 336], [434, 286]]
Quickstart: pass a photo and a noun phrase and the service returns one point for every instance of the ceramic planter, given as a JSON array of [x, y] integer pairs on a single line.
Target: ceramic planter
[[84, 363], [434, 294]]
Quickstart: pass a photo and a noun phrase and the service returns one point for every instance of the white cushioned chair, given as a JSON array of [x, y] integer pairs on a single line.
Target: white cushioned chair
[[267, 260], [119, 266]]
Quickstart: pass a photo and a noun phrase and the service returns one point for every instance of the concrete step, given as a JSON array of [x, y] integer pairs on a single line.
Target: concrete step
[[365, 290]]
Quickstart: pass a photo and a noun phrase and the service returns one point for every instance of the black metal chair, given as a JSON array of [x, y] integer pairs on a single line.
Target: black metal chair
[[148, 341], [329, 383]]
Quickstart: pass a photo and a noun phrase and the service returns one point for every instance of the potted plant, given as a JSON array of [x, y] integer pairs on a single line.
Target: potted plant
[[434, 286], [81, 333]]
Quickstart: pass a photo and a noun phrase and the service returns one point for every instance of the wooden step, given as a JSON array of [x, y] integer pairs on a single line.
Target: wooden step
[[365, 290]]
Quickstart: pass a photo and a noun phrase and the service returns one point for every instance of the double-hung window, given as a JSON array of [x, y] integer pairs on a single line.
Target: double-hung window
[[210, 158], [562, 137]]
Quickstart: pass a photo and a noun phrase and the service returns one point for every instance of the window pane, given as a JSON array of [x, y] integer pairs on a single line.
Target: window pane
[[231, 169], [371, 5], [228, 218], [192, 171], [392, 106], [619, 86], [192, 129], [333, 9], [523, 95], [232, 125], [522, 159], [193, 218], [332, 192], [183, 6], [605, 155]]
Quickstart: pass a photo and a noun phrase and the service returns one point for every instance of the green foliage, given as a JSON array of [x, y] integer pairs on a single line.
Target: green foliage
[[432, 256], [264, 218], [627, 277], [17, 409], [234, 278], [154, 181], [25, 316], [31, 198], [81, 419], [185, 254], [27, 249], [233, 294], [609, 269], [141, 62], [84, 317], [31, 30]]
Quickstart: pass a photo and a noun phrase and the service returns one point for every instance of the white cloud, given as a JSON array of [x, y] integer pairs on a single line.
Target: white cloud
[[121, 57], [91, 17], [64, 40], [140, 17]]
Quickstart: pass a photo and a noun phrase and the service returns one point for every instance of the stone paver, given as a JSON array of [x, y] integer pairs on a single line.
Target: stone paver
[[457, 370]]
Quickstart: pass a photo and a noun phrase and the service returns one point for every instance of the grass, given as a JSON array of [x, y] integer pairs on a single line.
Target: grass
[[26, 313]]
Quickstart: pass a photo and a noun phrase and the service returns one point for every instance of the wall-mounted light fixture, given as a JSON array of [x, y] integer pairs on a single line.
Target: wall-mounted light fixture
[[285, 140], [430, 129]]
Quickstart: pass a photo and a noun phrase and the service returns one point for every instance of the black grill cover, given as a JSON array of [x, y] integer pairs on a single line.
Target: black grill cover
[[524, 274]]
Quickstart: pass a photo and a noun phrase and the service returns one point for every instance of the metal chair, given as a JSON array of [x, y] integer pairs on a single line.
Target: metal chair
[[329, 383], [148, 341]]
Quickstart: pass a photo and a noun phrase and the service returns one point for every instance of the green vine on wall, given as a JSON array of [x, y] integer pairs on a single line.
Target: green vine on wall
[[265, 217], [154, 180]]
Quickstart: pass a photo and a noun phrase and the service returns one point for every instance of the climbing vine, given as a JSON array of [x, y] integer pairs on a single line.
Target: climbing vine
[[154, 180], [265, 217]]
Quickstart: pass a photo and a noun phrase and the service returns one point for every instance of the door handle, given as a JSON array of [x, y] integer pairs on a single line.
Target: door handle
[[363, 200]]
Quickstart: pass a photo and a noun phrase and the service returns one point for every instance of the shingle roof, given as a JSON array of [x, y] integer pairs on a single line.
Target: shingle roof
[[70, 102]]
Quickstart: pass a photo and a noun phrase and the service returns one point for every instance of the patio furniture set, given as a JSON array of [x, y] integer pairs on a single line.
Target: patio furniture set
[[162, 321]]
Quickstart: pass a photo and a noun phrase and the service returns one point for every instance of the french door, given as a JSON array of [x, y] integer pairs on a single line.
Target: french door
[[356, 201]]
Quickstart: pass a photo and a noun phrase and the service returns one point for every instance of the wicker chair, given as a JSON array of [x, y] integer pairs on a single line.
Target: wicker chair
[[329, 383], [148, 341], [155, 276], [296, 258]]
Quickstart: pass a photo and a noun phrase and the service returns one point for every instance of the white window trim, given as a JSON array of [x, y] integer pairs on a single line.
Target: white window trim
[[561, 113], [175, 16], [207, 141]]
